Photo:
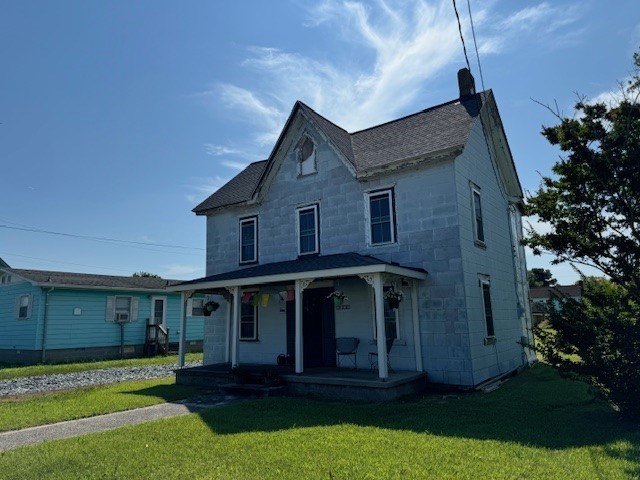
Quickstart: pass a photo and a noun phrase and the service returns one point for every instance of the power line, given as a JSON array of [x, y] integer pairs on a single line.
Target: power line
[[464, 47], [99, 239], [5, 254], [475, 44]]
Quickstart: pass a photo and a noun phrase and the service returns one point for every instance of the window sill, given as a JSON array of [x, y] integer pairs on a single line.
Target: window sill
[[249, 340], [249, 262], [382, 244], [480, 244], [490, 340]]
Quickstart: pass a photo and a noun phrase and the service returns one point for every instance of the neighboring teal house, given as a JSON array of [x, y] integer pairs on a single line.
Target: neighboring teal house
[[60, 316]]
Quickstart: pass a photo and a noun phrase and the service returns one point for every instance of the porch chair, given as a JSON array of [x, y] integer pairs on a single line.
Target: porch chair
[[347, 346], [373, 356]]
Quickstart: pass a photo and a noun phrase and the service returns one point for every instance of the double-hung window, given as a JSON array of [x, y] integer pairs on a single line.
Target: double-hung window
[[249, 240], [308, 226], [478, 224], [24, 307], [485, 291], [123, 309], [248, 321], [391, 323], [381, 217]]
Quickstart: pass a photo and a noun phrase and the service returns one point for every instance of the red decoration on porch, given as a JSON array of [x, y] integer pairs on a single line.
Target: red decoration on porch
[[290, 295], [246, 297]]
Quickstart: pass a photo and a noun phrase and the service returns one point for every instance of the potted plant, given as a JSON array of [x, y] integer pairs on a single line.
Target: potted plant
[[338, 297], [210, 307], [393, 298]]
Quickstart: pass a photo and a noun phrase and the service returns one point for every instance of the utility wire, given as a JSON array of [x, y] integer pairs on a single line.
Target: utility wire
[[100, 239], [464, 47], [475, 44], [5, 255]]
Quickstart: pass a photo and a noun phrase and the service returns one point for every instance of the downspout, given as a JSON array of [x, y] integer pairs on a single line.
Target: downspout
[[44, 323]]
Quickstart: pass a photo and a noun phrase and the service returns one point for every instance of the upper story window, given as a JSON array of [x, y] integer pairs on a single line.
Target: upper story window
[[485, 290], [306, 157], [23, 307], [478, 223], [381, 217], [307, 223], [249, 240]]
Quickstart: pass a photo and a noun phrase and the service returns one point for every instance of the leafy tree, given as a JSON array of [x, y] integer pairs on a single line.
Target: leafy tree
[[540, 277], [593, 206], [598, 339], [593, 200], [145, 274]]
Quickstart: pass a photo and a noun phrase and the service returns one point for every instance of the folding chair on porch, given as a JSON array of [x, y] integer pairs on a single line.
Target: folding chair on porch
[[347, 346], [373, 356]]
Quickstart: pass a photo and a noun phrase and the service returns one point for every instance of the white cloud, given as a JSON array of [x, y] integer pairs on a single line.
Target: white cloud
[[400, 50], [182, 270], [220, 150]]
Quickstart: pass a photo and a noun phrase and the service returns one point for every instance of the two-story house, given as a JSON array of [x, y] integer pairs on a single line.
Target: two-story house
[[428, 206]]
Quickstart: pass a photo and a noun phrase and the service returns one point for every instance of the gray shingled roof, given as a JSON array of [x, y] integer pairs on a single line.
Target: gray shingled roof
[[302, 264], [44, 277], [435, 129], [237, 190]]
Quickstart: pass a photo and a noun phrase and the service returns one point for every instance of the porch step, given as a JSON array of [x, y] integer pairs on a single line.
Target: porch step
[[251, 390]]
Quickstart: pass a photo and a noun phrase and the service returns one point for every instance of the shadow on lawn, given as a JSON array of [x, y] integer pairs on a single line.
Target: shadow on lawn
[[536, 408]]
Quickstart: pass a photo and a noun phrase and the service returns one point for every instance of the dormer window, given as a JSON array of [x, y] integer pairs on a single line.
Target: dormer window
[[306, 157]]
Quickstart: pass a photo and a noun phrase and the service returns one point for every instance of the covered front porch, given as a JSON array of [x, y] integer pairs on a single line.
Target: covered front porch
[[297, 320]]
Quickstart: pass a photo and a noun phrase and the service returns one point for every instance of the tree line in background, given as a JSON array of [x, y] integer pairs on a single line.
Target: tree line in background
[[592, 203]]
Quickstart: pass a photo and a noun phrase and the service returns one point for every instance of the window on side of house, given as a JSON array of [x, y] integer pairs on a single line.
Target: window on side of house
[[487, 311], [478, 223], [391, 320], [308, 226], [197, 307], [248, 322], [23, 307], [123, 309], [381, 217], [249, 240], [306, 157]]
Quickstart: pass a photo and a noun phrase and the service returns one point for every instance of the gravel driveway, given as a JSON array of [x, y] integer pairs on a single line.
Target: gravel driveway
[[62, 381]]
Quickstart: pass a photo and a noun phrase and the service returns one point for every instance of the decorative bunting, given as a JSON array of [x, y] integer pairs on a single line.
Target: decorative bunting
[[246, 297], [255, 300], [264, 300], [291, 295]]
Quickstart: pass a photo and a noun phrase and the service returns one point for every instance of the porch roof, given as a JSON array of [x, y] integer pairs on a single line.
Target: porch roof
[[322, 266]]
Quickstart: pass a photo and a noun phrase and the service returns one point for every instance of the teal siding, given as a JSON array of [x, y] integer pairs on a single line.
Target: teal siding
[[91, 329], [19, 334]]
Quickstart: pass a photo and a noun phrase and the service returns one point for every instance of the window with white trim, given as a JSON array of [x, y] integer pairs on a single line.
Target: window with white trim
[[306, 152], [381, 217], [485, 291], [391, 320], [197, 307], [248, 321], [24, 307], [249, 240], [123, 309], [478, 223], [307, 226]]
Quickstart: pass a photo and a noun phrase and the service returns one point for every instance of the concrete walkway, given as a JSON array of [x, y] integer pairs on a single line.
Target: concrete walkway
[[73, 428]]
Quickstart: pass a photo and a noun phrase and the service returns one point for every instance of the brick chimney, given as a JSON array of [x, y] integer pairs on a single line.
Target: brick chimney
[[466, 83]]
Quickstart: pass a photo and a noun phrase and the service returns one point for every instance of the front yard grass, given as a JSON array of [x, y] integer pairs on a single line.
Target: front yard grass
[[43, 408], [536, 426], [13, 371]]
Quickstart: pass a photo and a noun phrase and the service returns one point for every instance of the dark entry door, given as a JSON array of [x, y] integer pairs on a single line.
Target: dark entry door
[[318, 328]]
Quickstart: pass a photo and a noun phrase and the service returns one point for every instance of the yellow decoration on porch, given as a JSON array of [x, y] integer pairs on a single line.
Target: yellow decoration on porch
[[264, 301]]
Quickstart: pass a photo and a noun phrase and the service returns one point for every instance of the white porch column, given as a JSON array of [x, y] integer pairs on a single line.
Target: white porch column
[[416, 326], [300, 286], [235, 325], [229, 298], [182, 339], [383, 371]]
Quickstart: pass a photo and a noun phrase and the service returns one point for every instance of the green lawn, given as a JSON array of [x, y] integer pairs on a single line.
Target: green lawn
[[536, 426], [12, 371], [44, 408]]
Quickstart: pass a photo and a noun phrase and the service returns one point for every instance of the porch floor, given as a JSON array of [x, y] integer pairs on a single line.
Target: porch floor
[[324, 382]]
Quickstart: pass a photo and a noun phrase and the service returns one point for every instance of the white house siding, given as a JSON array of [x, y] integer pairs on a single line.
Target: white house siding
[[496, 261]]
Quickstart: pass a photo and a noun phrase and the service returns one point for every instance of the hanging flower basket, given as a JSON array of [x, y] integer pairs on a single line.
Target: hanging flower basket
[[338, 297], [210, 307], [393, 298]]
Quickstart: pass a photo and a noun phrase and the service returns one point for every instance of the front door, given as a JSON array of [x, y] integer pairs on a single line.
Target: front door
[[158, 314], [318, 328]]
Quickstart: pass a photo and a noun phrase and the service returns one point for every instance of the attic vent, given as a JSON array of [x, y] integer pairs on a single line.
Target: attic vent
[[306, 157]]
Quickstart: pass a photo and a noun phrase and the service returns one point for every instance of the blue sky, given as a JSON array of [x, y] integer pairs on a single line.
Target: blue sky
[[119, 117]]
